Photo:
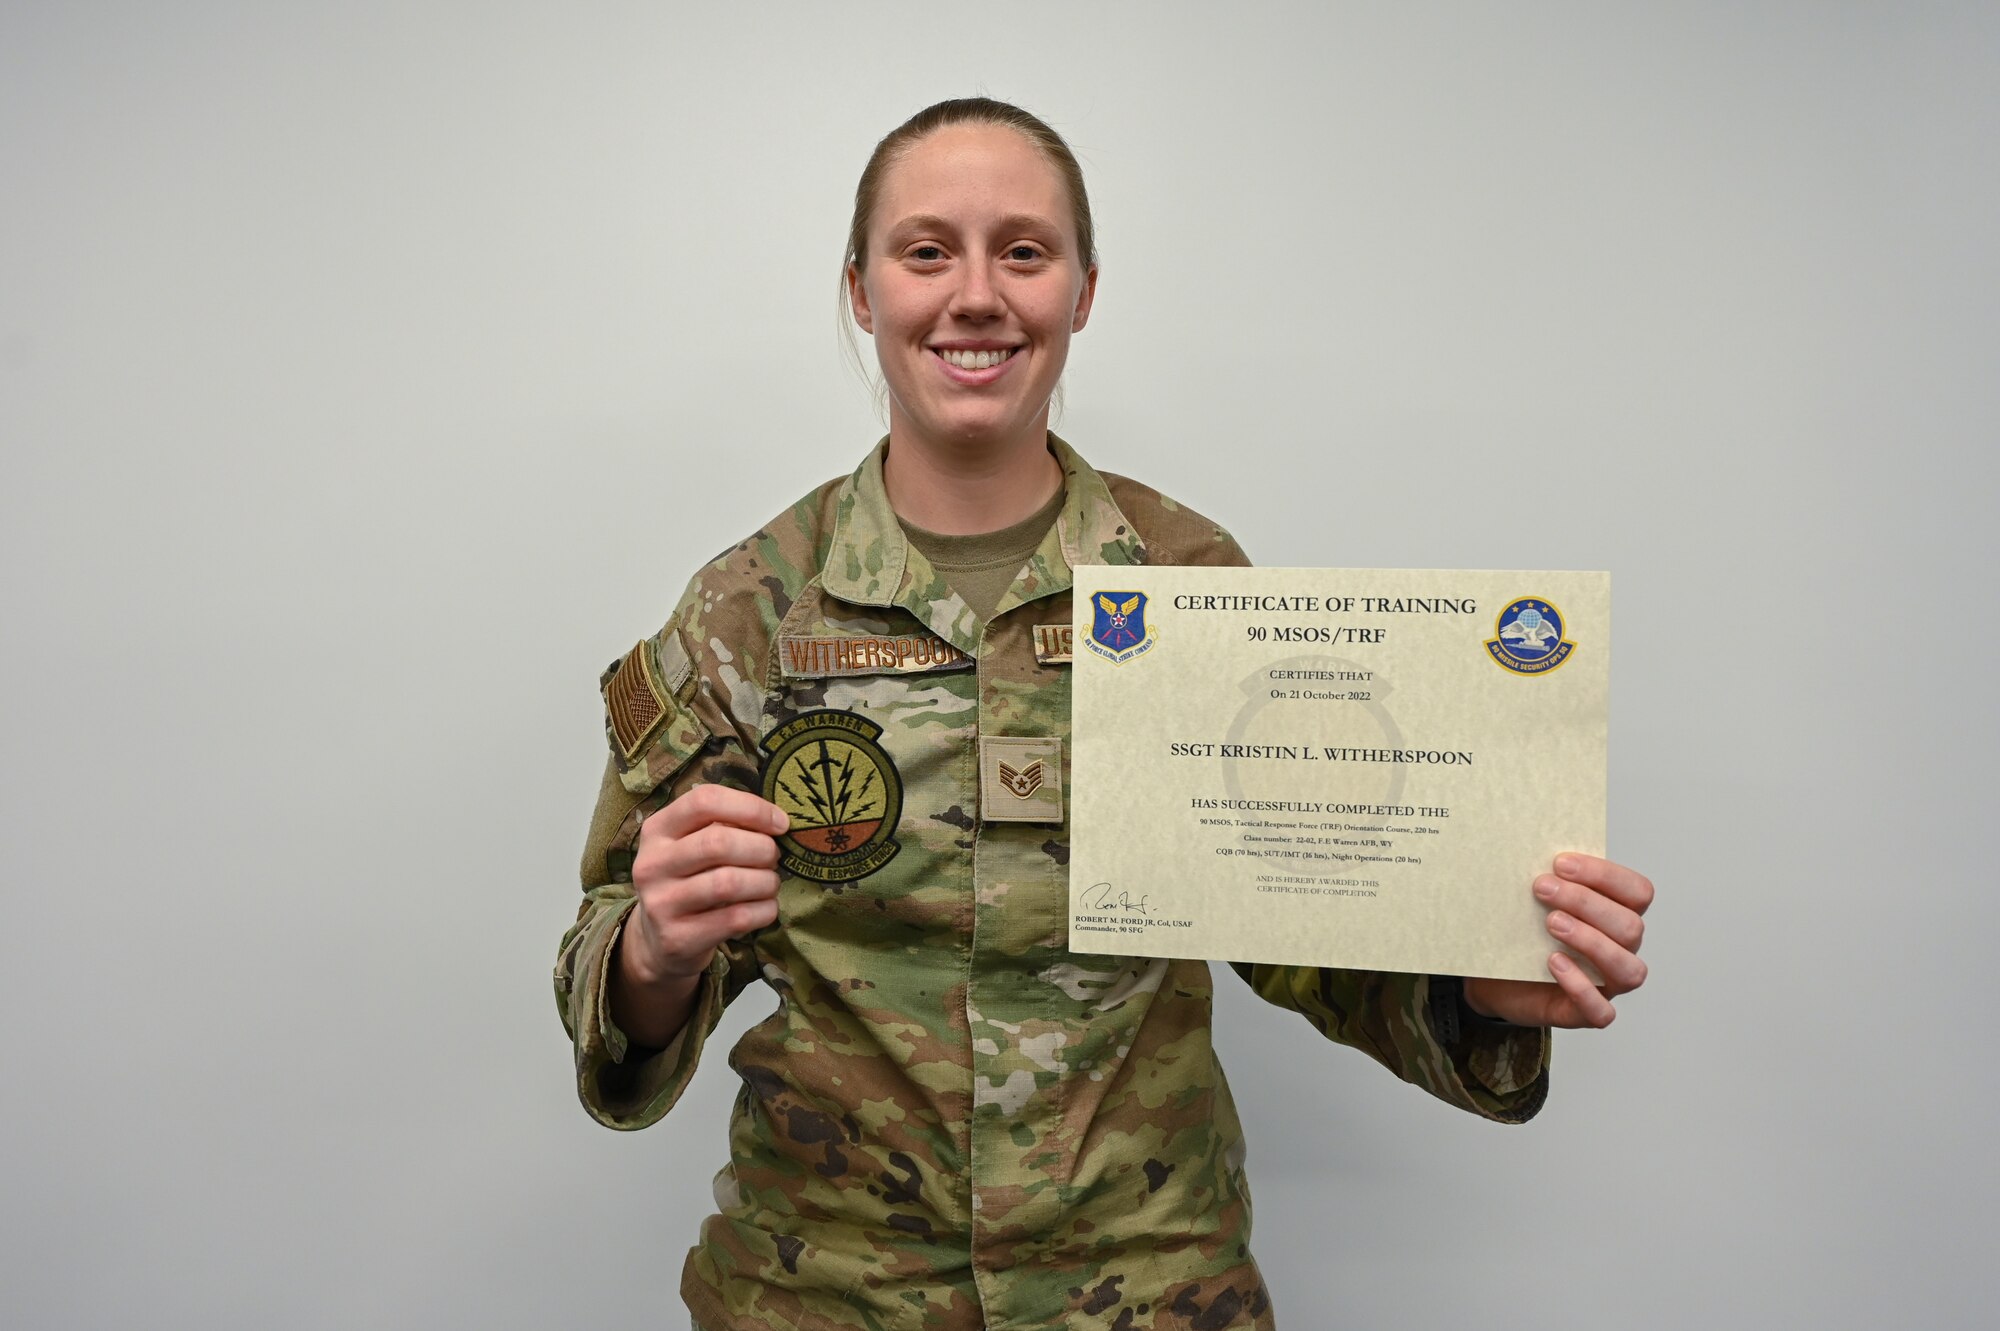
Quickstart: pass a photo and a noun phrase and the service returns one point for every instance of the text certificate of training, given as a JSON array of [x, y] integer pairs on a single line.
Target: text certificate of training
[[1333, 767]]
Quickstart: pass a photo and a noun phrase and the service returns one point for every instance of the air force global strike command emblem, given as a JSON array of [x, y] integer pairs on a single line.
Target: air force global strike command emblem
[[840, 789], [1528, 637], [1118, 629]]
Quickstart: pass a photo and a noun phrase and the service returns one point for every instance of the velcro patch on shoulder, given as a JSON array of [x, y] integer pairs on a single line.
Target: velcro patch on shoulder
[[805, 656], [633, 705], [644, 690], [676, 669], [649, 723]]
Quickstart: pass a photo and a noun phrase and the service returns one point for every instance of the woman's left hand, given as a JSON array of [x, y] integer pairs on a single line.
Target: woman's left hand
[[1597, 908]]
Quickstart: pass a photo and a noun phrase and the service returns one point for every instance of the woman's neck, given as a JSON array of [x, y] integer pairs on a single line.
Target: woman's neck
[[970, 489]]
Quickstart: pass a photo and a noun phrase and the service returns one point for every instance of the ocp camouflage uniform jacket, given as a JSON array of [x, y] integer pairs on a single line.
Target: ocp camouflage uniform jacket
[[952, 1120]]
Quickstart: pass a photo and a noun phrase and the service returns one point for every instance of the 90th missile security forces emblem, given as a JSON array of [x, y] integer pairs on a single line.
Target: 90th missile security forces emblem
[[841, 791], [1118, 629], [1528, 637]]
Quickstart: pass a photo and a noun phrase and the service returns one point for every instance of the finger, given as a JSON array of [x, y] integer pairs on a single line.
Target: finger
[[1522, 1002], [710, 929], [706, 804], [719, 887], [686, 942], [1628, 887], [1622, 971], [713, 846], [1592, 1008], [1617, 921]]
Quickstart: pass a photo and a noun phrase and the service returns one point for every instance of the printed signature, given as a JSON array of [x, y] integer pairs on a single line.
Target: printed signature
[[1101, 896]]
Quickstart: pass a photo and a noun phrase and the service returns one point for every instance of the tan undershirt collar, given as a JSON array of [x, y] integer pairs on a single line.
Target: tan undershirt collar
[[981, 567]]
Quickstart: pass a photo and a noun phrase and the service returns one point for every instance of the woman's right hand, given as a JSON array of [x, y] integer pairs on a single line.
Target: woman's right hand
[[705, 871]]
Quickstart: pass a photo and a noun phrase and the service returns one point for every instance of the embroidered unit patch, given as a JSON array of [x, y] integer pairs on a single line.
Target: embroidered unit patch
[[842, 792], [1020, 779]]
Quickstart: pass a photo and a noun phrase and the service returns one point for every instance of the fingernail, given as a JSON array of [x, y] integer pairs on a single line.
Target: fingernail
[[1567, 866], [1560, 923], [1559, 963], [1545, 888], [779, 822]]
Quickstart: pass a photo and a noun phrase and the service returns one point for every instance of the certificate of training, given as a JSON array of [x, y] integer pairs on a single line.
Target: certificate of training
[[1333, 767]]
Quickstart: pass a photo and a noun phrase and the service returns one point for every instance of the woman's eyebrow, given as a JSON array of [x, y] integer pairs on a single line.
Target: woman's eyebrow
[[919, 222], [1026, 222], [1012, 223]]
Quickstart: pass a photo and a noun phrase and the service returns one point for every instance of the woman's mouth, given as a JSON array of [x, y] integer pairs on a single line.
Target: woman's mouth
[[974, 360]]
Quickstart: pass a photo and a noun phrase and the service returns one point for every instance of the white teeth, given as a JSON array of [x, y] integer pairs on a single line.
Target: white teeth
[[975, 360]]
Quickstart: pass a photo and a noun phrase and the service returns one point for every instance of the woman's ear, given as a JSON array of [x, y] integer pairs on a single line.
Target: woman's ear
[[1087, 295], [857, 300]]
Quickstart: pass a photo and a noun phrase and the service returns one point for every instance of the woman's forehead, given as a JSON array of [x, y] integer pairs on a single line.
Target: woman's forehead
[[973, 171]]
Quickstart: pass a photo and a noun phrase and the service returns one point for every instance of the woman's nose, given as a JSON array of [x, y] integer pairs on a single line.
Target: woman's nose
[[976, 297]]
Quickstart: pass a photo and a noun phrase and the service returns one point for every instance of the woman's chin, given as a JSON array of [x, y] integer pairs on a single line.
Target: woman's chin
[[978, 432]]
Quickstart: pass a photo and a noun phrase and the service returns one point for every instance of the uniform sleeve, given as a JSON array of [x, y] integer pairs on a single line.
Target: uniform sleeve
[[668, 733], [1418, 1027]]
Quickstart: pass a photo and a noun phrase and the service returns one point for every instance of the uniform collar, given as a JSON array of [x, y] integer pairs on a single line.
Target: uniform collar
[[871, 561]]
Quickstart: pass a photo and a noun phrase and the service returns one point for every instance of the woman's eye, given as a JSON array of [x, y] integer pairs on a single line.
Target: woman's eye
[[1024, 254], [926, 254]]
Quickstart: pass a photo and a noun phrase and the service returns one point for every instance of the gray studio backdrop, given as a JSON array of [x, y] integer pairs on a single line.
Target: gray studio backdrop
[[371, 374]]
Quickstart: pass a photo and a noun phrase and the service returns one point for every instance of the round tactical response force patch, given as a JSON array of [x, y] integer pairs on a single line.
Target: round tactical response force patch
[[842, 792]]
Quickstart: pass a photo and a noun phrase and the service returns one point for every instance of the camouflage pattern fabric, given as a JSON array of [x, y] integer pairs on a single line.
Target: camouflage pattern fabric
[[951, 1120]]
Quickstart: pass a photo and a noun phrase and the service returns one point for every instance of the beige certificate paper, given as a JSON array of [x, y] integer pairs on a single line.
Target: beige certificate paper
[[1333, 767]]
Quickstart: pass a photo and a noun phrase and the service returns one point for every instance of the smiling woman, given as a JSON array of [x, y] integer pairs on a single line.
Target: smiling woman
[[971, 264], [841, 769]]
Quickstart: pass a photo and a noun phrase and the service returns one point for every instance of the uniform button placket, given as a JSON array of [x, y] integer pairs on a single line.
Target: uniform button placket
[[983, 1280]]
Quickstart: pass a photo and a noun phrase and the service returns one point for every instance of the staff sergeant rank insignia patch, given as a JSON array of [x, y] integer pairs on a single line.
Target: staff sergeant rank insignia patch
[[1020, 779], [842, 792]]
